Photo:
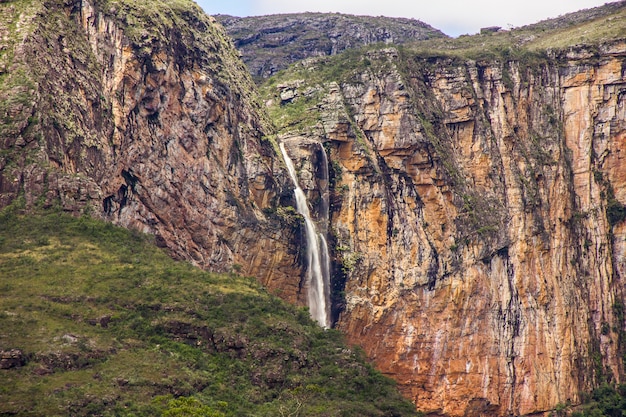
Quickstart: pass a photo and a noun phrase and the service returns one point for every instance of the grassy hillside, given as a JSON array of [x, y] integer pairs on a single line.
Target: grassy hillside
[[592, 27], [97, 321]]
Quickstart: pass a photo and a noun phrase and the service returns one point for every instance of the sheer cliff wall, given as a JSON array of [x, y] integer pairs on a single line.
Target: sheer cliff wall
[[477, 218], [144, 115]]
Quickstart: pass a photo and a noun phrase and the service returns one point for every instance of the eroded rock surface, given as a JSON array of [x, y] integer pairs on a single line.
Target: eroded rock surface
[[144, 115], [477, 218]]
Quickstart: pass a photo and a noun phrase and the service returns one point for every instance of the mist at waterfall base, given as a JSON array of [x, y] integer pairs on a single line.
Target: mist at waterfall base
[[317, 281]]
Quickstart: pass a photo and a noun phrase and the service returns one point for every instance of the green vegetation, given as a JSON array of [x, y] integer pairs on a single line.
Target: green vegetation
[[151, 21], [310, 81], [300, 115], [529, 43], [16, 81], [615, 210], [602, 25], [109, 325], [607, 400]]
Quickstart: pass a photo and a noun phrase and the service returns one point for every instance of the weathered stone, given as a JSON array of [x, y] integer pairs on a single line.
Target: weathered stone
[[480, 263], [13, 358], [159, 136], [489, 29]]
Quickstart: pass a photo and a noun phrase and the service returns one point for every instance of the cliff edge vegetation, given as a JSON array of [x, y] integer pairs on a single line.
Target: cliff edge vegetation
[[271, 43]]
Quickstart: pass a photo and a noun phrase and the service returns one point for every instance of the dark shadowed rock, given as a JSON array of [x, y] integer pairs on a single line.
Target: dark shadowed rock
[[13, 358], [270, 43]]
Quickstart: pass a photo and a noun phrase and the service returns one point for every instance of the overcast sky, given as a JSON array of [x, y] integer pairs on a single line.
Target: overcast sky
[[454, 17]]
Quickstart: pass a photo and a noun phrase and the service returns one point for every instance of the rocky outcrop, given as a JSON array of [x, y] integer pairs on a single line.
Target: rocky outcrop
[[271, 43], [13, 358], [476, 209], [477, 220], [144, 116]]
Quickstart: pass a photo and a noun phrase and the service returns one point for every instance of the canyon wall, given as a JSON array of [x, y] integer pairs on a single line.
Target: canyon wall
[[144, 115], [477, 220], [476, 206]]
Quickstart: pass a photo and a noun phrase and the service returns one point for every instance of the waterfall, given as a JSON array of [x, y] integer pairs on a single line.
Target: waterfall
[[318, 261], [324, 194]]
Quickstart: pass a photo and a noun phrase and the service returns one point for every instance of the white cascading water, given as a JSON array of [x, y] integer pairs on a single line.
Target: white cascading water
[[318, 266]]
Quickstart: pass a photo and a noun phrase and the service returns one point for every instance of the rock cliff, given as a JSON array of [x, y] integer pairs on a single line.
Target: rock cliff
[[271, 43], [145, 116], [477, 213]]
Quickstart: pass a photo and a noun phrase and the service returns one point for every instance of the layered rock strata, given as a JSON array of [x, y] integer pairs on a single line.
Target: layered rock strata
[[144, 115], [478, 222]]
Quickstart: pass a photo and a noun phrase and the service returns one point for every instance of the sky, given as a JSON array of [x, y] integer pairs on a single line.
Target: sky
[[453, 17]]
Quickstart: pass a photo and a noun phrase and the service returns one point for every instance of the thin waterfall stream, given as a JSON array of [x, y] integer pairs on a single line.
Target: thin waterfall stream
[[317, 278]]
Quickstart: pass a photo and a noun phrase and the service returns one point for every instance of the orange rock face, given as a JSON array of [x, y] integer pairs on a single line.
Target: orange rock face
[[477, 220]]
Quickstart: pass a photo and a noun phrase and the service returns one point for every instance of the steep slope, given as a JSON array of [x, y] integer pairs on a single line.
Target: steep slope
[[477, 209], [578, 18], [271, 43], [477, 194], [96, 321], [144, 115]]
